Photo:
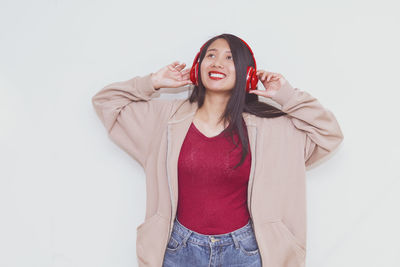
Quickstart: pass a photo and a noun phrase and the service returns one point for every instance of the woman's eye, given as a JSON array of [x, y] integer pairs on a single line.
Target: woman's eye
[[210, 55]]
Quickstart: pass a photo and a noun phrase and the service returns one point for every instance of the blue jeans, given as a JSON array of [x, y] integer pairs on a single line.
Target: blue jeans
[[234, 249]]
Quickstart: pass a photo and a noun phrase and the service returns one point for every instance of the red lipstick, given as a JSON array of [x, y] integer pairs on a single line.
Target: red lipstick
[[216, 78]]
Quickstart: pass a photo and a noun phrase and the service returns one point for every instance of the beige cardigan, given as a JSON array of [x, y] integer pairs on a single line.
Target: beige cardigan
[[152, 130]]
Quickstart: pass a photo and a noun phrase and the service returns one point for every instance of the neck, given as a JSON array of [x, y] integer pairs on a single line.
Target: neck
[[213, 108]]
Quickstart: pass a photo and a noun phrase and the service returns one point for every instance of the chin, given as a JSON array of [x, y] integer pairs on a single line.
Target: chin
[[216, 89]]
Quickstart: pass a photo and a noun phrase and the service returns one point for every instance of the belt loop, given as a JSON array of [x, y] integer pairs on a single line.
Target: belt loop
[[187, 237], [235, 240]]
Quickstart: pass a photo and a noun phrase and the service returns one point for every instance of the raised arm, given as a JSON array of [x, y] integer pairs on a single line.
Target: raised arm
[[131, 112], [322, 133]]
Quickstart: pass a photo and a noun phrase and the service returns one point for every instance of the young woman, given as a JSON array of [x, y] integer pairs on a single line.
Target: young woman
[[225, 172]]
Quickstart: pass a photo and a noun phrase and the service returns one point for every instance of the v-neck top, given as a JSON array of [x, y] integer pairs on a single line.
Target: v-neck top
[[212, 197], [207, 137]]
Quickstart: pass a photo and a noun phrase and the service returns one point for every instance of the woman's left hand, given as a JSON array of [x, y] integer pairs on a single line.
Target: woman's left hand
[[272, 82]]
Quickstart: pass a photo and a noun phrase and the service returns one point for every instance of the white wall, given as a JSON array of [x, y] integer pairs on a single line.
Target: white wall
[[69, 197]]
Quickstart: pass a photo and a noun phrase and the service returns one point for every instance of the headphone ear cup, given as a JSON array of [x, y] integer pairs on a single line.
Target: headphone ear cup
[[195, 70], [251, 79], [193, 74], [254, 79]]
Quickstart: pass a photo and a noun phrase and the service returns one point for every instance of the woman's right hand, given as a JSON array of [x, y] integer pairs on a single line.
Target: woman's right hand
[[171, 76]]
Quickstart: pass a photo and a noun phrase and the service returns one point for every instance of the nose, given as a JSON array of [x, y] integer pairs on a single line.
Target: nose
[[217, 62]]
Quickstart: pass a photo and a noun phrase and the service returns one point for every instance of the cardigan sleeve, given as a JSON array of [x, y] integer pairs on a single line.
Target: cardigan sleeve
[[322, 131], [131, 114]]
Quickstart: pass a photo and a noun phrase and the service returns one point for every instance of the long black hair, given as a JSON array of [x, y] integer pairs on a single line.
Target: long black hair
[[240, 101]]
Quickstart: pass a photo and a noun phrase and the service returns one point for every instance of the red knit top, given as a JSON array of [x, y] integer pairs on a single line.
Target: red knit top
[[212, 197]]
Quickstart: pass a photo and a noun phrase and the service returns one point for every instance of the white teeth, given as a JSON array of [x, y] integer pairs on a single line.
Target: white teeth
[[217, 75]]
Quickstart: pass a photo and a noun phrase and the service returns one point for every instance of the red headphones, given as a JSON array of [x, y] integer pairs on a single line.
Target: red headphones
[[251, 75]]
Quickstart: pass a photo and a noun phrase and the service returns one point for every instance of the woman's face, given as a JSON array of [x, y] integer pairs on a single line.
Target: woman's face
[[218, 62]]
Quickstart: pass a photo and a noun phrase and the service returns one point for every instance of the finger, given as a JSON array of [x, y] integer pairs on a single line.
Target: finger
[[183, 73], [173, 64], [256, 92], [184, 82], [265, 75], [275, 76], [177, 75], [186, 76], [179, 67], [272, 76]]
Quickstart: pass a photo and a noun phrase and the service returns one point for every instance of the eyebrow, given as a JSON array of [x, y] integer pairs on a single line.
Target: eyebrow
[[214, 49]]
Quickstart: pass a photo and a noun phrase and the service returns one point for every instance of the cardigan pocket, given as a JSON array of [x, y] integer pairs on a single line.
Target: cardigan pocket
[[291, 238], [150, 245], [281, 247]]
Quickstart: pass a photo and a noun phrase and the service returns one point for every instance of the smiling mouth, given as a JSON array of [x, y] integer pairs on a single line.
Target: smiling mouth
[[216, 76]]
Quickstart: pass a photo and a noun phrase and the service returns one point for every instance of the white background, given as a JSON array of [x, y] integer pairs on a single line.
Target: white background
[[69, 197]]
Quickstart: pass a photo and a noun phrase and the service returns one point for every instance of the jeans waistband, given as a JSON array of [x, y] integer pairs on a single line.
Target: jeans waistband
[[217, 240]]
